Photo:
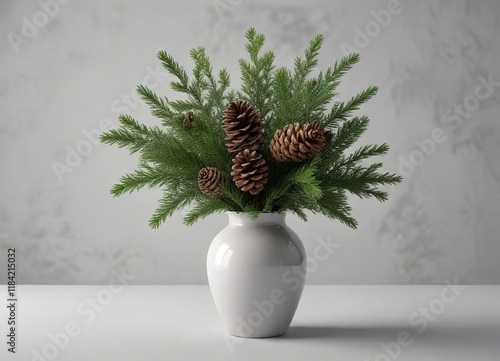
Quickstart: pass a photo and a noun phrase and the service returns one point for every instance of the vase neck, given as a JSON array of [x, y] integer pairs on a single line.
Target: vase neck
[[241, 219]]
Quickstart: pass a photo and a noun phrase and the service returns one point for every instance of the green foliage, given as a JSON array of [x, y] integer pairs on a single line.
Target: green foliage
[[171, 156]]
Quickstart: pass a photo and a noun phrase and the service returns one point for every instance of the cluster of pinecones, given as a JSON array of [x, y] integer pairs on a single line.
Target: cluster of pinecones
[[243, 128]]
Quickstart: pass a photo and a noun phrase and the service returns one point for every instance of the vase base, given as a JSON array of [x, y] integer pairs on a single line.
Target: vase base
[[258, 336]]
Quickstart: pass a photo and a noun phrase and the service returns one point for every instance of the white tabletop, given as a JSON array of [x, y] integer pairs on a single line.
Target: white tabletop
[[342, 323]]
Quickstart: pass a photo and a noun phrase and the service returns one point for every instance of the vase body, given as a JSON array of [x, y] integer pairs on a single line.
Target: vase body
[[256, 271]]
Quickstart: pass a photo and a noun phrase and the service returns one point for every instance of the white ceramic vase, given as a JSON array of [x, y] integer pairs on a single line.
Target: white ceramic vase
[[256, 274]]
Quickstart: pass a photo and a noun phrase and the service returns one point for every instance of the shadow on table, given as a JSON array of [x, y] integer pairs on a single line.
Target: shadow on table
[[435, 334]]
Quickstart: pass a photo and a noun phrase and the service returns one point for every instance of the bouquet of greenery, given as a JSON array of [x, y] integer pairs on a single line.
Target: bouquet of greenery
[[276, 145]]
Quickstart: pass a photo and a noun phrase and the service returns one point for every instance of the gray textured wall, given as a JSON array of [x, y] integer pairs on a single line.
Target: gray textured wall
[[60, 78]]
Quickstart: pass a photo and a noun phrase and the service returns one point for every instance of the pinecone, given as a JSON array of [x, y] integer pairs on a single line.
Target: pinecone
[[242, 125], [298, 142], [209, 180], [189, 118], [249, 171]]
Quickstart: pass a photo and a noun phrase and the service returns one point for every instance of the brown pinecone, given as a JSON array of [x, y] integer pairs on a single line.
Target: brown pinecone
[[298, 142], [249, 171], [210, 180], [189, 118], [242, 125]]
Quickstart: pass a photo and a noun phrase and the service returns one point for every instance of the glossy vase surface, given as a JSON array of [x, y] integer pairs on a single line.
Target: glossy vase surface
[[253, 268]]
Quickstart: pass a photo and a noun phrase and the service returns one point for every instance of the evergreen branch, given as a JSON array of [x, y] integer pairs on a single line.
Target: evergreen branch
[[298, 212], [195, 88], [304, 66], [334, 205], [295, 97], [175, 69], [348, 134], [257, 74], [131, 134], [303, 178], [182, 106], [169, 204], [199, 84], [159, 107], [123, 139], [172, 152], [145, 176], [235, 197], [177, 195], [363, 181], [217, 88], [203, 208], [364, 153], [344, 110], [224, 82], [281, 85], [295, 199], [345, 64], [171, 158], [254, 43], [127, 122], [274, 194], [319, 92]]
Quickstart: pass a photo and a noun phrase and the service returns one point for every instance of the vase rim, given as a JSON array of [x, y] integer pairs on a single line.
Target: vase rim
[[238, 212], [240, 218]]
